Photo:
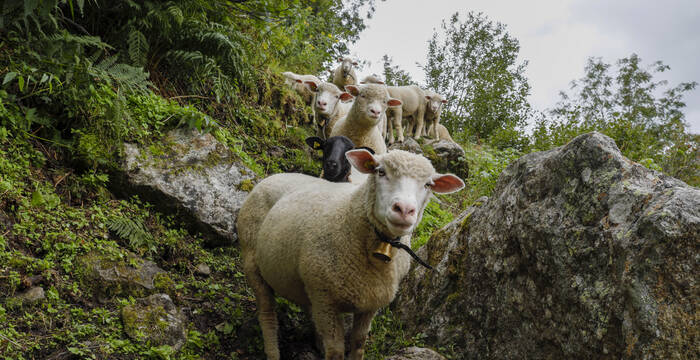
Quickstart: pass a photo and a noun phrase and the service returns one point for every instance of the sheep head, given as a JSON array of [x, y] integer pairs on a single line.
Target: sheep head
[[371, 101], [403, 183]]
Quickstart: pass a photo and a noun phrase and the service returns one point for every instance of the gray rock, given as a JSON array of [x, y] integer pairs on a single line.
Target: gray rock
[[157, 320], [203, 269], [447, 156], [107, 277], [579, 253], [416, 353], [32, 295], [194, 176], [409, 144]]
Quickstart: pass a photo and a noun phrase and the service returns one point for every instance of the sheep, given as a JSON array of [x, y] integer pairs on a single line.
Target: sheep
[[372, 79], [360, 124], [323, 260], [330, 104], [443, 134], [344, 74], [413, 106], [296, 82], [336, 167], [432, 112]]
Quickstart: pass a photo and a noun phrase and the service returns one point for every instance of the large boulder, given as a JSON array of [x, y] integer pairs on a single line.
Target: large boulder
[[191, 175], [416, 353], [579, 253], [447, 157]]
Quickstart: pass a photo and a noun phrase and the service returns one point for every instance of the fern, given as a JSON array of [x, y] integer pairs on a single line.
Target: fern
[[134, 231], [138, 47]]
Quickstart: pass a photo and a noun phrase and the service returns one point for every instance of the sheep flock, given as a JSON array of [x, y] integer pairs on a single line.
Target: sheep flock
[[340, 243]]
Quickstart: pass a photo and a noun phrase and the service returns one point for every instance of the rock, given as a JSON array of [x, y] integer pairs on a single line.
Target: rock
[[416, 353], [447, 157], [409, 144], [157, 320], [203, 269], [108, 277], [191, 175], [579, 253], [32, 295]]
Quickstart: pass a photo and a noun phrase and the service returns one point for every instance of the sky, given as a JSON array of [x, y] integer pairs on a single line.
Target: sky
[[556, 38]]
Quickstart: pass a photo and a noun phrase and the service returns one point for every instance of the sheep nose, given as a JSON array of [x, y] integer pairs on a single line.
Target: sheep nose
[[322, 103], [404, 209], [374, 111], [332, 164]]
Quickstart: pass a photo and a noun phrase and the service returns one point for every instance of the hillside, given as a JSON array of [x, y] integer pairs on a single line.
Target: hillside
[[130, 132]]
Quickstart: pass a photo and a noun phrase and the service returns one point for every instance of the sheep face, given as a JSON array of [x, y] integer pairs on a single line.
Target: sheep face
[[371, 101], [403, 183], [347, 64], [327, 96], [435, 102]]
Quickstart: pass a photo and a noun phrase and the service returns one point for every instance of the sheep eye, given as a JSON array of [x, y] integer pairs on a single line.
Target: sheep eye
[[381, 172]]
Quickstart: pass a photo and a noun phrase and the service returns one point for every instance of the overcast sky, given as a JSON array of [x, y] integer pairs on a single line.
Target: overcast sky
[[556, 37]]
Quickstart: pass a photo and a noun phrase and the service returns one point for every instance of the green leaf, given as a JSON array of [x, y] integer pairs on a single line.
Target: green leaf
[[9, 77], [21, 84], [37, 198]]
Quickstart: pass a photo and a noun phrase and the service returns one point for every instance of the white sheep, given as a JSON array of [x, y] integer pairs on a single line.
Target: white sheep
[[315, 245], [296, 82], [372, 79], [330, 105], [375, 79], [344, 74], [432, 112], [360, 124], [413, 109], [443, 134]]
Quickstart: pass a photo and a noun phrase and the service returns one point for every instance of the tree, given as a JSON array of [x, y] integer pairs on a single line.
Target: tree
[[473, 63], [393, 76], [627, 102]]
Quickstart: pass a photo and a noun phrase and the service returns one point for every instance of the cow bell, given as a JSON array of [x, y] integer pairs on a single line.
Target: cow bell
[[383, 252]]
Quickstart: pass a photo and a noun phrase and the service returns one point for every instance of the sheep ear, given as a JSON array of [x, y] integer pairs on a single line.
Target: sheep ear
[[340, 59], [445, 184], [311, 85], [394, 102], [427, 97], [366, 148], [353, 90], [344, 97], [444, 101], [362, 160], [354, 63], [315, 142]]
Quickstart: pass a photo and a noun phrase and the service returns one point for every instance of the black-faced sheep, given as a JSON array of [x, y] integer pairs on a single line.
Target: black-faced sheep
[[336, 167], [314, 246]]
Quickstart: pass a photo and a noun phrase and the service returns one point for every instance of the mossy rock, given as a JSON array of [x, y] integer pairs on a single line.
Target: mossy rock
[[155, 320], [107, 276]]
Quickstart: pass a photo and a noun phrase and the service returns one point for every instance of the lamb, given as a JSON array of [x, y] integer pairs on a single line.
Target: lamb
[[432, 113], [344, 74], [372, 79], [443, 134], [375, 79], [325, 262], [413, 106], [360, 124], [329, 106], [296, 82], [336, 167]]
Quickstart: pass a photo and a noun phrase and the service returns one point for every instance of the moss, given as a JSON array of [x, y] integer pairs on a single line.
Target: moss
[[164, 283], [245, 185]]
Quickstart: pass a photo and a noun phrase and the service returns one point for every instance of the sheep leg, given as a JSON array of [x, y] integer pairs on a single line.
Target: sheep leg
[[358, 336], [389, 129], [419, 119], [329, 325], [265, 301], [398, 116]]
